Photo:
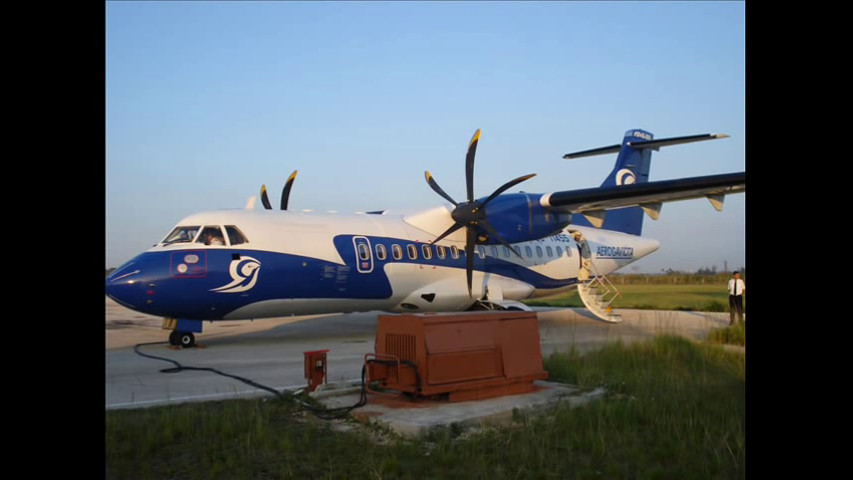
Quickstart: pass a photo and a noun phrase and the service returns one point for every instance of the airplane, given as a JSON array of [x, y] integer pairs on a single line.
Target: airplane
[[481, 253]]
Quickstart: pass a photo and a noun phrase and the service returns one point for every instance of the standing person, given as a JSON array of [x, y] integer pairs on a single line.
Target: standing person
[[736, 291]]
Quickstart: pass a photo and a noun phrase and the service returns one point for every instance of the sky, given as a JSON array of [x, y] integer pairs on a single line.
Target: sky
[[207, 101]]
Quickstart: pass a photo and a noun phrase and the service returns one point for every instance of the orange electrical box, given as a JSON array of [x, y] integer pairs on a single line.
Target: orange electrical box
[[466, 356], [315, 368]]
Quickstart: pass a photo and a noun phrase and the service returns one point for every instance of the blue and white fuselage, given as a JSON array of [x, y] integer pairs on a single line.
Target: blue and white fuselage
[[246, 264], [290, 263]]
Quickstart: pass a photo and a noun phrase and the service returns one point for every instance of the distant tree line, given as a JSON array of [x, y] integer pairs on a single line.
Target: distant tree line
[[704, 275]]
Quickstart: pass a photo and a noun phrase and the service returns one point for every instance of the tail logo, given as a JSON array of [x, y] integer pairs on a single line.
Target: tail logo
[[625, 177], [244, 275]]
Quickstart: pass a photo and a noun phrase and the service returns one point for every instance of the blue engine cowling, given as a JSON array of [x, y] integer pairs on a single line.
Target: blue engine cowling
[[518, 217]]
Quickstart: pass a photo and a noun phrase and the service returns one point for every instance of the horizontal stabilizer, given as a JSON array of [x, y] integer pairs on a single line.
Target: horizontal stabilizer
[[643, 144], [665, 142], [594, 151]]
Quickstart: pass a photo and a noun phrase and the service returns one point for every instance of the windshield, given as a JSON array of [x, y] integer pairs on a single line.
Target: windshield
[[211, 236], [181, 235]]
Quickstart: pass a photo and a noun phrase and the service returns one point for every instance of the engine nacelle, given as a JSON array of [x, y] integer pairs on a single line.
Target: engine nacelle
[[518, 217]]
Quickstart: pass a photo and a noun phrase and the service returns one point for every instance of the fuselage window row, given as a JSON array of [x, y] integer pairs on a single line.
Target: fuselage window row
[[455, 253]]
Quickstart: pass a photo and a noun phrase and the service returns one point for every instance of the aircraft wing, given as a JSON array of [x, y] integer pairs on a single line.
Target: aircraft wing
[[593, 202]]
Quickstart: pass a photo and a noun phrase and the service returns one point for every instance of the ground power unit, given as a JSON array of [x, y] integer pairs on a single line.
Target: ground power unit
[[463, 356]]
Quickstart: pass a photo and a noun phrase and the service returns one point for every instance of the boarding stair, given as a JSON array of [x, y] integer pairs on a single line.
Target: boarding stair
[[596, 290], [598, 293]]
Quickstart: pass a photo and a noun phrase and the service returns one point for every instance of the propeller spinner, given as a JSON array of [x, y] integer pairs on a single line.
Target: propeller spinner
[[472, 214], [285, 193]]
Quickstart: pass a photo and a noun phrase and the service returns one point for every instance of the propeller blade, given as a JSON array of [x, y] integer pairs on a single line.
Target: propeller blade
[[285, 193], [434, 185], [450, 230], [506, 187], [264, 199], [494, 234], [469, 165], [471, 238]]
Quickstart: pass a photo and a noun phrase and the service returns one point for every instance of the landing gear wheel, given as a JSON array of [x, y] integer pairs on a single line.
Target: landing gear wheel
[[186, 339], [174, 340]]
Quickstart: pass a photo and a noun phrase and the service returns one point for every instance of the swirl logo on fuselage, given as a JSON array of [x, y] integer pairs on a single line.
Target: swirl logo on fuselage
[[244, 274], [625, 177]]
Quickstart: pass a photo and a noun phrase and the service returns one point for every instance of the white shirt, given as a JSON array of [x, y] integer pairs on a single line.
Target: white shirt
[[741, 287]]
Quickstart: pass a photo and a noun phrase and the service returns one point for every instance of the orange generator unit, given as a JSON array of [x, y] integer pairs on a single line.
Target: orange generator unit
[[466, 356]]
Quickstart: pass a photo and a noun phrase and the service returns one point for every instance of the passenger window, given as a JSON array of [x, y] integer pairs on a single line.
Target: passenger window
[[181, 235], [235, 236], [528, 252], [440, 250], [363, 251], [549, 251], [559, 251], [494, 251], [380, 252], [396, 251], [211, 236], [413, 252], [454, 252], [538, 251], [426, 251], [481, 252]]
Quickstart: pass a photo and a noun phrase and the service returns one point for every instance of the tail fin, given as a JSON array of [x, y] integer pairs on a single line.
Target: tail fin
[[632, 163], [632, 166]]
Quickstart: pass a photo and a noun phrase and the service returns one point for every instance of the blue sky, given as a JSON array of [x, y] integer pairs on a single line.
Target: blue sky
[[206, 101]]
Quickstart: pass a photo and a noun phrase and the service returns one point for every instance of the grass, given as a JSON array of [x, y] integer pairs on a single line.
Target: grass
[[674, 409], [732, 335], [685, 297]]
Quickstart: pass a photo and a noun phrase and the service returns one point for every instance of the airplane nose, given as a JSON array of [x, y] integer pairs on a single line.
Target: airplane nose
[[126, 287]]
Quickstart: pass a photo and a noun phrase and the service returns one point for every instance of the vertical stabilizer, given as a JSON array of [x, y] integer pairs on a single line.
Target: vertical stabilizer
[[632, 166]]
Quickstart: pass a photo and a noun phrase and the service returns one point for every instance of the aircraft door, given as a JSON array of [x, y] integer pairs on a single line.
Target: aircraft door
[[585, 256], [363, 254]]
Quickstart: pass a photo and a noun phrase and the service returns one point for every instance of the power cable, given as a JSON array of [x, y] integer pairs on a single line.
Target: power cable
[[322, 413]]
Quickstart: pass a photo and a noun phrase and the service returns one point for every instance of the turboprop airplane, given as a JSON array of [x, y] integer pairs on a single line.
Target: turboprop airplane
[[481, 253]]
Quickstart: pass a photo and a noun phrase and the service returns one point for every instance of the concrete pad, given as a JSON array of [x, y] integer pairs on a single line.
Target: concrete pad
[[414, 417], [270, 351]]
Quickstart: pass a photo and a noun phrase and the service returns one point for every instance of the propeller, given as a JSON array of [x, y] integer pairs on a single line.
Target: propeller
[[285, 193], [471, 214]]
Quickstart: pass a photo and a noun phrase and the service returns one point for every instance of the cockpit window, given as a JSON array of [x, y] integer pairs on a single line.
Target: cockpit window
[[235, 236], [181, 234], [211, 236]]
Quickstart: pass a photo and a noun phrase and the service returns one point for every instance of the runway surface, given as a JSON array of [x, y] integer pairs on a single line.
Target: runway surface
[[270, 351]]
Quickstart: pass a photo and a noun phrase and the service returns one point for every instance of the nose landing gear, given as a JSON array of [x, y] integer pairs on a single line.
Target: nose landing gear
[[182, 331], [181, 339]]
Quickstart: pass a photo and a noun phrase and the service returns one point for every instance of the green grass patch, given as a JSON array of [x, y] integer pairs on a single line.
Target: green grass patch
[[685, 297], [732, 335], [673, 409]]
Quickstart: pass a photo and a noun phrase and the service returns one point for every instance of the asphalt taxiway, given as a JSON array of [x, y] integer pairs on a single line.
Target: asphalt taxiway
[[270, 351]]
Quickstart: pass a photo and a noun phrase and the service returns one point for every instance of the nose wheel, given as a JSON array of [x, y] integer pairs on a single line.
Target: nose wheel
[[181, 339]]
